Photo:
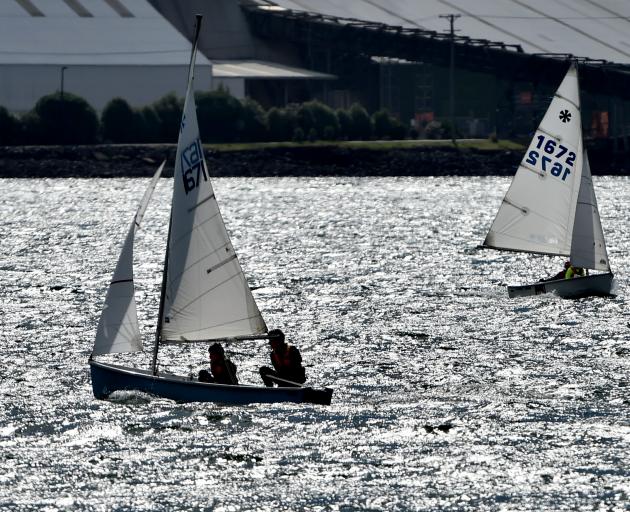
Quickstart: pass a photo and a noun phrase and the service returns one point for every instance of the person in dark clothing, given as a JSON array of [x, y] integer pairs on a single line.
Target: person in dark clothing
[[286, 360], [222, 370]]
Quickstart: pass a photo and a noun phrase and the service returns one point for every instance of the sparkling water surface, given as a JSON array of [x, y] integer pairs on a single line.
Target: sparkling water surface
[[447, 395]]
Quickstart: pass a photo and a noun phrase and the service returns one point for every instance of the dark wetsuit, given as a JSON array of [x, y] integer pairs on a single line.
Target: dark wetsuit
[[287, 365]]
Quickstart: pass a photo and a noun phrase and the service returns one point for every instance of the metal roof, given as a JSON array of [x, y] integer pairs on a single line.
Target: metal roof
[[597, 29], [89, 32], [263, 70]]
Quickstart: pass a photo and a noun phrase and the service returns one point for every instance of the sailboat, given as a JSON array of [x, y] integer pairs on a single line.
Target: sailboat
[[550, 207], [204, 294]]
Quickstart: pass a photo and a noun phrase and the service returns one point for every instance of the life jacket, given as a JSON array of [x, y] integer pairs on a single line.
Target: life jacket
[[288, 364], [570, 273], [224, 372]]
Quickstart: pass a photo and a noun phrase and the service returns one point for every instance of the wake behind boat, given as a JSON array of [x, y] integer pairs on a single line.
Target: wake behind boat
[[550, 207], [204, 296]]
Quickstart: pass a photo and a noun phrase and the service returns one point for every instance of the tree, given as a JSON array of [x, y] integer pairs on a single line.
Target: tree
[[220, 116], [168, 111], [67, 119], [9, 128], [361, 123], [119, 122], [282, 123]]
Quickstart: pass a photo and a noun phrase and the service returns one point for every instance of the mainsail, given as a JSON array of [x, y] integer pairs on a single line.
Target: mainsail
[[588, 248], [206, 295], [118, 329], [538, 211]]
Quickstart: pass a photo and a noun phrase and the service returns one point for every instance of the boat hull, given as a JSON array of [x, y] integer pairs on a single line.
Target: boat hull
[[596, 285], [107, 378]]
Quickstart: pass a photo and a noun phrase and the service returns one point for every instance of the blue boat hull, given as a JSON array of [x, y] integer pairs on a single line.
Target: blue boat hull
[[107, 378]]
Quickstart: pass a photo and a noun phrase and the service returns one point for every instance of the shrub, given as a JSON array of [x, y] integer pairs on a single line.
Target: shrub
[[148, 125], [361, 123], [119, 122], [282, 124], [220, 116], [434, 130], [168, 111], [63, 120], [9, 128], [314, 116], [345, 124], [387, 126], [298, 135], [254, 122]]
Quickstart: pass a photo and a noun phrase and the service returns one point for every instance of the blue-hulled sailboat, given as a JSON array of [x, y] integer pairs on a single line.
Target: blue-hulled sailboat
[[204, 295]]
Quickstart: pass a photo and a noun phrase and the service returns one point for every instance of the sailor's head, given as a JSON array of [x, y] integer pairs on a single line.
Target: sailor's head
[[276, 338], [567, 264], [216, 351]]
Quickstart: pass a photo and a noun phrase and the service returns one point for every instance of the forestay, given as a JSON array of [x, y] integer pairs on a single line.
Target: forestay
[[588, 248], [118, 329], [206, 294], [537, 213]]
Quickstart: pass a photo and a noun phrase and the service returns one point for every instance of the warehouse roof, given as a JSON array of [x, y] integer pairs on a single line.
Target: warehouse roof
[[597, 29], [89, 32]]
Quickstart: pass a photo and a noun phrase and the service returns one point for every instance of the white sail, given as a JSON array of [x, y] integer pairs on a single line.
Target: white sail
[[118, 329], [538, 210], [206, 294], [588, 248]]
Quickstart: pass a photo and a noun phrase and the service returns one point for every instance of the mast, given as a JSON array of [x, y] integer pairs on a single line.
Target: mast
[[158, 330]]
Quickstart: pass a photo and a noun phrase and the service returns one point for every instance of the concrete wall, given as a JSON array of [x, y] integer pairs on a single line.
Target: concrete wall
[[22, 85]]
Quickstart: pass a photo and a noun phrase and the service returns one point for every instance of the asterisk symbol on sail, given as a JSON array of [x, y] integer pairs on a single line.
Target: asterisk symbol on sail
[[565, 116]]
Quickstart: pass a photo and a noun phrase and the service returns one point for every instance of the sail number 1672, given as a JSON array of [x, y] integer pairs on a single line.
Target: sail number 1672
[[551, 156]]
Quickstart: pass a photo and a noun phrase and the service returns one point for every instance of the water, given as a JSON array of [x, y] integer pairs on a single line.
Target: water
[[448, 396]]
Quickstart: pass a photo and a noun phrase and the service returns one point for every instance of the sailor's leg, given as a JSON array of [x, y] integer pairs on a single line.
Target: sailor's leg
[[264, 372]]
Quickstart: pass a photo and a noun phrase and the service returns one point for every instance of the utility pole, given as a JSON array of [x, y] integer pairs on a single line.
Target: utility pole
[[451, 18], [63, 68]]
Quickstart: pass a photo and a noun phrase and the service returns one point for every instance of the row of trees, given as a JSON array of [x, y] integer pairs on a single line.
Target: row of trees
[[69, 119]]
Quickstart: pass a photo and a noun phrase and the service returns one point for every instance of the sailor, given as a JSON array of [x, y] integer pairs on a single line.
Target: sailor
[[573, 271], [286, 361], [222, 370]]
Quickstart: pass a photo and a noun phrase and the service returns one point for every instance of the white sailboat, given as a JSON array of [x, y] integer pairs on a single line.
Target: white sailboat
[[205, 296], [550, 207]]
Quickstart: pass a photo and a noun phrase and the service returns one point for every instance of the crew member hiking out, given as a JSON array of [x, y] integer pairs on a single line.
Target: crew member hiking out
[[286, 361], [222, 370]]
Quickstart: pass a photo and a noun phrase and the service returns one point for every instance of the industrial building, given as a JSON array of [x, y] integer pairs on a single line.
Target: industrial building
[[507, 56], [97, 49]]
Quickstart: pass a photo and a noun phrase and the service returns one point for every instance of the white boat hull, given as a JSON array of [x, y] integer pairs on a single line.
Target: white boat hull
[[587, 286], [107, 378]]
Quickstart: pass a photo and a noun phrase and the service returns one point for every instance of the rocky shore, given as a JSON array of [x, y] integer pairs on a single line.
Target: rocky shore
[[305, 160]]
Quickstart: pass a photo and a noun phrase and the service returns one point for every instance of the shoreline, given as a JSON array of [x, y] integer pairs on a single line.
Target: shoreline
[[298, 160]]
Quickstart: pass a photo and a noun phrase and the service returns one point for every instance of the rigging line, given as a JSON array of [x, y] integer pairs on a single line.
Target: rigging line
[[221, 263], [528, 168], [579, 31], [549, 134], [225, 281], [492, 25], [211, 196], [197, 226], [122, 281], [567, 100], [227, 247], [211, 327]]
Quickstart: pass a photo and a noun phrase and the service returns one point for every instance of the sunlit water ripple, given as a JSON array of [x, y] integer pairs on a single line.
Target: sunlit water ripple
[[379, 283]]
